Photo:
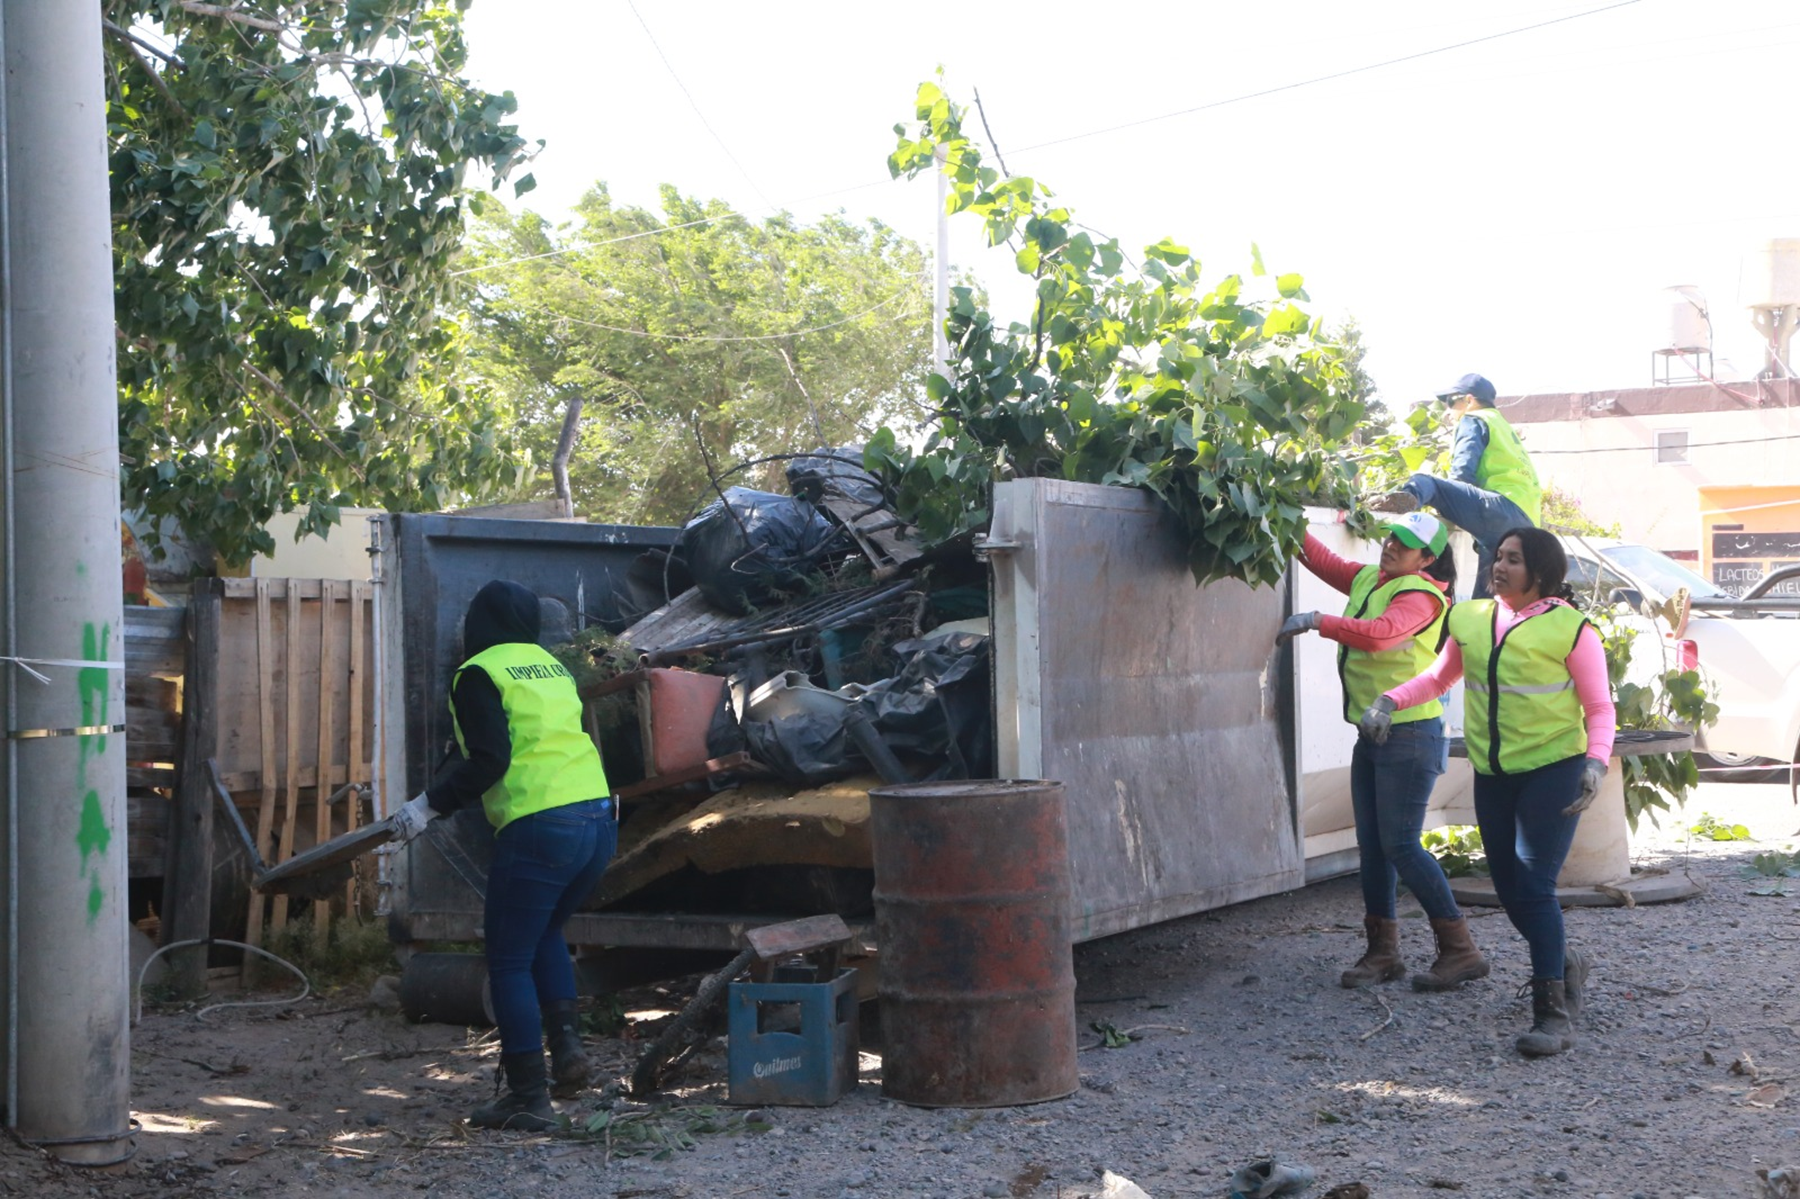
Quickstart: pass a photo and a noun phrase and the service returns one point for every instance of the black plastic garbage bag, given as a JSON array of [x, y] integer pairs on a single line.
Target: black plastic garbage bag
[[935, 711], [841, 469], [753, 547]]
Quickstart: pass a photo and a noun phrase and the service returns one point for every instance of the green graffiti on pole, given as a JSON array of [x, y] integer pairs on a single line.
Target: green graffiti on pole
[[96, 900], [93, 836], [94, 686]]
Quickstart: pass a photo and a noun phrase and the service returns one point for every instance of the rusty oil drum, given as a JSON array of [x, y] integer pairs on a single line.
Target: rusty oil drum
[[977, 972]]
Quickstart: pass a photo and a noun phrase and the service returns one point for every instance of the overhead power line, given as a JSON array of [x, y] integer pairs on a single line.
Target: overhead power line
[[1692, 445], [1288, 87]]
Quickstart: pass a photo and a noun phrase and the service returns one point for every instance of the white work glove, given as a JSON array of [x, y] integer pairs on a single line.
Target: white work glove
[[1376, 720], [412, 818], [1592, 771], [1298, 623]]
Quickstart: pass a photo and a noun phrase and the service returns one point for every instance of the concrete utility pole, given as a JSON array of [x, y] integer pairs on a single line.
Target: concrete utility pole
[[67, 1047]]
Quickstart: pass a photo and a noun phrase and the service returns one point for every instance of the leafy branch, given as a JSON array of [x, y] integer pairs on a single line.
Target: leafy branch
[[1227, 401]]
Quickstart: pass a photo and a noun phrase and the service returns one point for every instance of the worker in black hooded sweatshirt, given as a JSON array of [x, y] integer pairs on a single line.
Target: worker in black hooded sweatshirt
[[534, 770]]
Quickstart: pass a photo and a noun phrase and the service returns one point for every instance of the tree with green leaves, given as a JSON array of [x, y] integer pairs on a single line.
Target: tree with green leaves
[[691, 340], [1228, 401], [288, 198]]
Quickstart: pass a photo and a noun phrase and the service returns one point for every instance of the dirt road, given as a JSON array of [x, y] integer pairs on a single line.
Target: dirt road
[[1683, 1082]]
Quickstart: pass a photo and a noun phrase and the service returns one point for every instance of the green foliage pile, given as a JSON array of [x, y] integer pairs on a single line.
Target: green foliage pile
[[1711, 828], [1772, 873], [1673, 699], [657, 1133], [693, 338], [287, 200], [1228, 401]]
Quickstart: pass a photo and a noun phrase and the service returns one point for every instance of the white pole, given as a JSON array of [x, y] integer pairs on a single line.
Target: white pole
[[69, 1049], [940, 308]]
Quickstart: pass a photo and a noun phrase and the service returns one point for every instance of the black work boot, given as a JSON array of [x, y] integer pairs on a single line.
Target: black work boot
[[568, 1060], [525, 1107], [1550, 1032], [1380, 963], [1575, 973]]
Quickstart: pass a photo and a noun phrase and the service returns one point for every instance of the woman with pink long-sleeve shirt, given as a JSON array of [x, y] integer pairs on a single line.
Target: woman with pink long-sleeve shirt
[[1391, 629], [1538, 720]]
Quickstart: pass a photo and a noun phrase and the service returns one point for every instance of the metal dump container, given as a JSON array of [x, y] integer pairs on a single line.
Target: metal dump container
[[976, 965]]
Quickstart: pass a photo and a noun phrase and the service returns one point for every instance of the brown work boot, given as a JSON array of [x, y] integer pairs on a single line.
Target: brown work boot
[[1458, 960], [1381, 963], [1550, 1032]]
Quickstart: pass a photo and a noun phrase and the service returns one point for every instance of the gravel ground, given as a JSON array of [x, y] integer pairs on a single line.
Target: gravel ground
[[1680, 1085]]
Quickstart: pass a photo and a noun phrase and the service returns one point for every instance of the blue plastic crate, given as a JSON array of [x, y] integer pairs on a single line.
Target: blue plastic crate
[[810, 1067]]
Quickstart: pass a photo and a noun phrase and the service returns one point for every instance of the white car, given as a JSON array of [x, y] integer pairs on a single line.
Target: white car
[[1748, 650]]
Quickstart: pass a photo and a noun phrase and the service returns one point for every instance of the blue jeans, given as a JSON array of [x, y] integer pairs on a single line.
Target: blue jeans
[[544, 866], [1485, 515], [1527, 837], [1390, 786]]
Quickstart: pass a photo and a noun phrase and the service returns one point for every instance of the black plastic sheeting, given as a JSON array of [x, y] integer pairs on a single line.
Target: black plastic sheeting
[[750, 547], [933, 715], [840, 468]]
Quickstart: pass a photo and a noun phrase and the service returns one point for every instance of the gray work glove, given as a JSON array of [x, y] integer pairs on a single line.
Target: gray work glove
[[412, 817], [1376, 720], [1298, 623], [1592, 771]]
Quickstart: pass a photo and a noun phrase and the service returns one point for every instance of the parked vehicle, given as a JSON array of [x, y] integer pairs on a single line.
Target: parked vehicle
[[1748, 649]]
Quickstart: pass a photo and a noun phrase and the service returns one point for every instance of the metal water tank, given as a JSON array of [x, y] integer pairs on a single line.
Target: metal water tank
[[1685, 327], [1772, 274]]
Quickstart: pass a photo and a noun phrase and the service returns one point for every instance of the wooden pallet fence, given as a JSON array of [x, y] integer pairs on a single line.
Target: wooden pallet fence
[[298, 753], [289, 736]]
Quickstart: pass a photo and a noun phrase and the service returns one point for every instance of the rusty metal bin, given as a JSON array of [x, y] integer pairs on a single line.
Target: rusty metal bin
[[977, 973]]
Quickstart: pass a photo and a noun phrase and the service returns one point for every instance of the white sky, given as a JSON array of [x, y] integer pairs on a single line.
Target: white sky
[[1510, 207]]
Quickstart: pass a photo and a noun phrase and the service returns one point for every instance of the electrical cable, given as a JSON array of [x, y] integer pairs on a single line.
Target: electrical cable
[[1694, 445], [137, 993], [1288, 87]]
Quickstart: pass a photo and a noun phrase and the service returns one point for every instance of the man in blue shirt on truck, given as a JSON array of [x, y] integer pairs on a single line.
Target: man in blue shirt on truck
[[1492, 485]]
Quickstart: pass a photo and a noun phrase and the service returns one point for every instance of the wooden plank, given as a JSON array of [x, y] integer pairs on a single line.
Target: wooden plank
[[327, 744], [155, 641], [251, 780], [265, 704], [773, 941], [290, 815], [356, 753], [147, 833], [280, 588], [187, 879], [148, 777]]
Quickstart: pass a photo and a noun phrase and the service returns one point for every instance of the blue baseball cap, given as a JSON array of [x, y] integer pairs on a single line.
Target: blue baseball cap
[[1470, 385]]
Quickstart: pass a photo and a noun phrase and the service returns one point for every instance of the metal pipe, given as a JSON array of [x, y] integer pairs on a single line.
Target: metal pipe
[[73, 1059], [11, 1046]]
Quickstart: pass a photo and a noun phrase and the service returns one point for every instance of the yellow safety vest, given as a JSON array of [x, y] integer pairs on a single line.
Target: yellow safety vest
[[1520, 710], [554, 762], [1505, 467], [1365, 674]]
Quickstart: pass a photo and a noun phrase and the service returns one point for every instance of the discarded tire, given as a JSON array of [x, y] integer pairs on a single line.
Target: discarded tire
[[977, 975]]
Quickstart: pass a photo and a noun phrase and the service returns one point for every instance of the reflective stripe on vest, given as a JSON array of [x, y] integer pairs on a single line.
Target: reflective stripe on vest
[[1520, 710], [1505, 468], [1364, 673], [554, 762]]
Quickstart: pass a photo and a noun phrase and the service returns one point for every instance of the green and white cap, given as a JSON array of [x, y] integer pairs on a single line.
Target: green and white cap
[[1421, 530]]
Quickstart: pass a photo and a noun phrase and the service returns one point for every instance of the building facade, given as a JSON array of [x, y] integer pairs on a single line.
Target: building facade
[[1705, 472]]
